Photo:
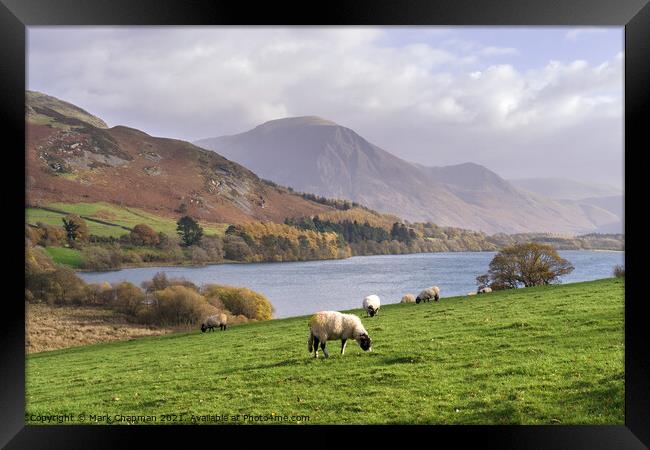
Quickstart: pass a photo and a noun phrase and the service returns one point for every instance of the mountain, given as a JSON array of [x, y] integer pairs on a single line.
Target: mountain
[[42, 108], [591, 197], [315, 155], [72, 156], [562, 188]]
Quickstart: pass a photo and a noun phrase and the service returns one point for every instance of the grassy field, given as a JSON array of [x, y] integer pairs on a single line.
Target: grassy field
[[118, 216], [68, 256], [35, 215], [546, 355]]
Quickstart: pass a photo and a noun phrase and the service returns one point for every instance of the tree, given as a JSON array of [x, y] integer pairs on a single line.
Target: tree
[[143, 234], [242, 301], [179, 305], [527, 264], [189, 230], [76, 229], [235, 248]]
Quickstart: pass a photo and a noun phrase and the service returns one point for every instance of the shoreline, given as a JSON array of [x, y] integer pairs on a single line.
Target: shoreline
[[219, 263]]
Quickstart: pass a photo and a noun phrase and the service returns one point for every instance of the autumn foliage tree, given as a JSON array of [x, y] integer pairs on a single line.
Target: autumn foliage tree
[[528, 264], [143, 234], [239, 300]]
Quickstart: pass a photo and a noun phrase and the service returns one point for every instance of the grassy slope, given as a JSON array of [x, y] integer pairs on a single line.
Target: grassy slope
[[128, 217], [68, 256], [531, 356]]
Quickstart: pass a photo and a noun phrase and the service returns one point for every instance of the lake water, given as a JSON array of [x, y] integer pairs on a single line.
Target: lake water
[[301, 288]]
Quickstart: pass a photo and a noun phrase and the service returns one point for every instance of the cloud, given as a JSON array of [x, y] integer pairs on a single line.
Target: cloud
[[432, 103], [574, 34], [499, 51]]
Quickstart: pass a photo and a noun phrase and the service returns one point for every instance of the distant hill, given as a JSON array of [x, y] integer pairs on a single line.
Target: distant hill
[[73, 157], [315, 155], [591, 197], [562, 188]]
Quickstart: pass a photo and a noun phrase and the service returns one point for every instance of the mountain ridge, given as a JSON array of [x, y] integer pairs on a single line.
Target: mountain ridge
[[73, 157], [335, 161]]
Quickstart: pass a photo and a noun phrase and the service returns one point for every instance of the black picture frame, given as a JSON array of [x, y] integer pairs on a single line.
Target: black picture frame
[[634, 15]]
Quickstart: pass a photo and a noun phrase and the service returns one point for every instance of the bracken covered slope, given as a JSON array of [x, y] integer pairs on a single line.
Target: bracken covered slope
[[73, 156]]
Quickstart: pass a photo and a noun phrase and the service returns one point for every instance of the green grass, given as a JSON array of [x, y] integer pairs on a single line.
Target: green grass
[[113, 214], [546, 355], [68, 256], [35, 215]]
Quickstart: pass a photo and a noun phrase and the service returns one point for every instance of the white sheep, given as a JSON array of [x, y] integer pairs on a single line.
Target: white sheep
[[218, 320], [408, 298], [484, 290], [331, 326], [371, 304], [471, 293], [426, 295]]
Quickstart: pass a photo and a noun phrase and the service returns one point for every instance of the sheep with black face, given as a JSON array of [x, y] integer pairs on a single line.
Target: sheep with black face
[[426, 295], [218, 320], [331, 326], [372, 304]]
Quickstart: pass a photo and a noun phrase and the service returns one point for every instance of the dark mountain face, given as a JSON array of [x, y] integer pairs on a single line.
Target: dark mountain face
[[314, 155]]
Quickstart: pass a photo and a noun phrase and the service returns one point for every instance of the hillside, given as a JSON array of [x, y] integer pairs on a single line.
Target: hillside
[[544, 355], [602, 202], [562, 188], [314, 155], [72, 157]]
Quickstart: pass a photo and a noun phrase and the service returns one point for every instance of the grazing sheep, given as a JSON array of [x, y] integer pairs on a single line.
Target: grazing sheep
[[371, 304], [484, 290], [426, 295], [471, 293], [218, 320], [408, 298], [331, 326]]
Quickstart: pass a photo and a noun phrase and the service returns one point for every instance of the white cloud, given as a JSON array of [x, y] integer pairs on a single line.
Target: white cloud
[[432, 104], [499, 51], [574, 34]]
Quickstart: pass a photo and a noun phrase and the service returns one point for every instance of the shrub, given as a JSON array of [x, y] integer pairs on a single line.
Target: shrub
[[51, 235], [178, 305], [157, 283], [183, 282], [33, 235], [100, 258], [213, 247], [128, 298], [197, 255], [235, 248], [99, 293], [143, 234], [243, 301], [60, 286], [37, 260], [46, 235], [619, 271], [164, 242]]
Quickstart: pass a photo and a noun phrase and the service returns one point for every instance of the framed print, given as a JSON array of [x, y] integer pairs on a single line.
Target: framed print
[[400, 216]]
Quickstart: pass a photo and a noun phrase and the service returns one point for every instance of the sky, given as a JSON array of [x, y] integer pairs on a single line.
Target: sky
[[522, 101]]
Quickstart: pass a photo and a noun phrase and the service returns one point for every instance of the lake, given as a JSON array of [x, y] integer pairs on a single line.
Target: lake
[[301, 288]]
